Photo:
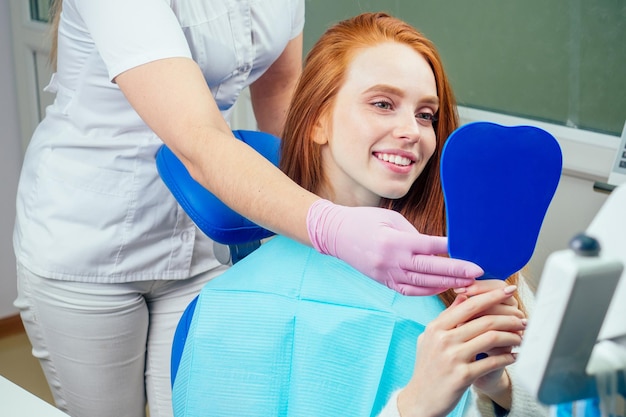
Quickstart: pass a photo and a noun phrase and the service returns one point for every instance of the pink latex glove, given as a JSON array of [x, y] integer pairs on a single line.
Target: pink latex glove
[[383, 245]]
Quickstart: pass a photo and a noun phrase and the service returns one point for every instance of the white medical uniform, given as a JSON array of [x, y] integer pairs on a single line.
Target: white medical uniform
[[90, 204], [91, 208]]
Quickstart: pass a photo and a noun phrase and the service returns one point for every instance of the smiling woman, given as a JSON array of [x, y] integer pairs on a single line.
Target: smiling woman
[[380, 135], [288, 331]]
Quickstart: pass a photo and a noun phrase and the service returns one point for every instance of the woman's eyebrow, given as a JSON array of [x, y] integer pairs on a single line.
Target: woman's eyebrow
[[386, 88], [432, 100], [390, 89]]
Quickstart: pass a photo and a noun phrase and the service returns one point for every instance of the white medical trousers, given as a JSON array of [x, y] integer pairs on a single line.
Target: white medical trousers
[[105, 348]]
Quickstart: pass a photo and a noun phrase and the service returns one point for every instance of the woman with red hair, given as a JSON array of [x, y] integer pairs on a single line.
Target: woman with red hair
[[290, 332]]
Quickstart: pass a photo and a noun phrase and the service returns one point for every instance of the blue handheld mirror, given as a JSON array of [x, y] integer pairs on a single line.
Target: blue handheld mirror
[[498, 182]]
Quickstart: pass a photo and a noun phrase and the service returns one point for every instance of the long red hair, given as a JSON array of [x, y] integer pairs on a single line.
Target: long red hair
[[323, 75]]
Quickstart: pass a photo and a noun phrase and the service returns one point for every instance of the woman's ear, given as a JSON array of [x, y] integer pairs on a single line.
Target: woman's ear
[[321, 131]]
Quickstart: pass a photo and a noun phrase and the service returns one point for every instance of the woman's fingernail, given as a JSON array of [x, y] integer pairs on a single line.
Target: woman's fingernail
[[461, 290], [524, 322], [510, 289]]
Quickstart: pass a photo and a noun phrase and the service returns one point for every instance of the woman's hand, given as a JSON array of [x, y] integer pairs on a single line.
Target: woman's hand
[[496, 385], [510, 306], [383, 245], [446, 365]]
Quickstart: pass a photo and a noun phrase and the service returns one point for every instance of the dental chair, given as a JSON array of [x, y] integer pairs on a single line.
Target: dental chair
[[224, 225]]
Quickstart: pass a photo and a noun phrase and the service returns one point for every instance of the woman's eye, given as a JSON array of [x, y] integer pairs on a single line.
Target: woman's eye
[[385, 105], [426, 118]]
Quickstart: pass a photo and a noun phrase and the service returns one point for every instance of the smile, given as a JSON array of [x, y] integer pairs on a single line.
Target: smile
[[394, 159]]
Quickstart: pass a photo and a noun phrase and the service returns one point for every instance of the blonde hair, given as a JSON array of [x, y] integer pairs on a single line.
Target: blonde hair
[[53, 18]]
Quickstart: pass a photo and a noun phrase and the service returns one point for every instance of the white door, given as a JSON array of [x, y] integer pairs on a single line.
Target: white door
[[31, 46]]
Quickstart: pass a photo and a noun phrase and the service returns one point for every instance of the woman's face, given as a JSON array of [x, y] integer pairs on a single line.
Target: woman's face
[[381, 134]]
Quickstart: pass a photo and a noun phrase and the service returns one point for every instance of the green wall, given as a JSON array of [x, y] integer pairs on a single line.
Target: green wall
[[552, 60]]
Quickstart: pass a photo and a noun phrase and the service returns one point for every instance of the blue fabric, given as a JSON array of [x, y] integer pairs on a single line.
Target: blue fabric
[[238, 252], [290, 332], [581, 408]]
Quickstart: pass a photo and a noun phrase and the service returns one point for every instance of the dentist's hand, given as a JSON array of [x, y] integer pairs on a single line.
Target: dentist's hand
[[383, 245]]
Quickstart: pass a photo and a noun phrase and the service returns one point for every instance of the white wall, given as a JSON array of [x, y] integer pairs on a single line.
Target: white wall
[[574, 205], [10, 163]]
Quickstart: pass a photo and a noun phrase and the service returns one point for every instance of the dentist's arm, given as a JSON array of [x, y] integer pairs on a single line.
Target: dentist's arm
[[272, 92], [172, 97]]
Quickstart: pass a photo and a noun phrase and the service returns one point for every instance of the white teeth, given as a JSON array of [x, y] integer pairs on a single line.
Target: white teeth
[[394, 159]]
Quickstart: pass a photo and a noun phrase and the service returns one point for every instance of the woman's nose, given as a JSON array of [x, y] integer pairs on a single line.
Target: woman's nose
[[408, 128]]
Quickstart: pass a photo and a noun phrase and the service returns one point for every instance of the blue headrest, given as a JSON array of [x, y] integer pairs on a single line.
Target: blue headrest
[[213, 217]]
